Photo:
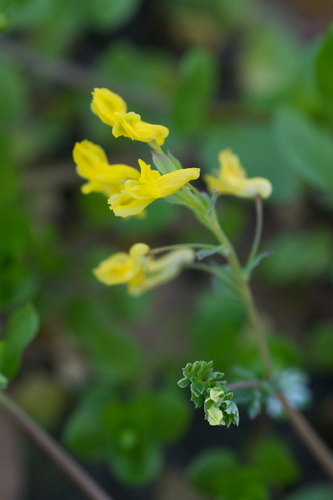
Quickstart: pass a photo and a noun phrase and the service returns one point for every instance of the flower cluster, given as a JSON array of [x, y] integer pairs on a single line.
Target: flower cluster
[[130, 191]]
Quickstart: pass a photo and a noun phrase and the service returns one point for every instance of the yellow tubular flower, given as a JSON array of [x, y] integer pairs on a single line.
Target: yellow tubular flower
[[122, 267], [130, 125], [105, 103], [162, 270], [150, 186], [140, 271], [92, 164], [112, 110], [231, 179]]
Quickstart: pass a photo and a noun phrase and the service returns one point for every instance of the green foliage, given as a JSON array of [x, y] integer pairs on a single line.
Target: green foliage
[[128, 433], [319, 347], [22, 329], [314, 492], [324, 67], [268, 63], [107, 15], [207, 386], [298, 257], [220, 473], [274, 463], [115, 356], [195, 89], [306, 147]]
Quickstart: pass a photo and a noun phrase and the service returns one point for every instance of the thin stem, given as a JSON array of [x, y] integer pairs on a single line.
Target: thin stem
[[155, 251], [258, 230], [298, 422], [247, 384], [215, 272], [155, 146], [79, 476], [315, 444]]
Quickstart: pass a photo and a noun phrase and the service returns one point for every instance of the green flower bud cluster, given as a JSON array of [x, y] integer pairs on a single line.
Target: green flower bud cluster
[[207, 388]]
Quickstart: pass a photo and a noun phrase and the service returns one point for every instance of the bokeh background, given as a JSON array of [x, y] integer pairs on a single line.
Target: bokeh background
[[256, 77]]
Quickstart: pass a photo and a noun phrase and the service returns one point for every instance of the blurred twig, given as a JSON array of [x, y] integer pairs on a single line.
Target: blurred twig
[[80, 477], [74, 75]]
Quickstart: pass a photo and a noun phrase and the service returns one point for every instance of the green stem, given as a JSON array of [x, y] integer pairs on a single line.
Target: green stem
[[79, 476], [258, 230], [215, 272], [308, 435], [155, 251], [155, 146]]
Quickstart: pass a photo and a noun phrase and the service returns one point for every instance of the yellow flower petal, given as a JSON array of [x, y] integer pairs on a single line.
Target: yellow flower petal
[[162, 270], [130, 125], [122, 267], [92, 164], [231, 179], [105, 104], [150, 186]]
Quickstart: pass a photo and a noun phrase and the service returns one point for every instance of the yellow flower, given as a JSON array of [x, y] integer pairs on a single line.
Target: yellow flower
[[140, 271], [105, 104], [162, 270], [92, 164], [150, 186], [122, 267], [112, 110], [231, 179]]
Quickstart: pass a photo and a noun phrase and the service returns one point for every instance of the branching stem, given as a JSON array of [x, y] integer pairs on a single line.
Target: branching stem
[[301, 426], [78, 475]]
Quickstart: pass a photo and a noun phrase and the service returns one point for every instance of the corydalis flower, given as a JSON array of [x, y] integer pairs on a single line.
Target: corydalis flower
[[92, 164], [112, 110], [231, 179], [150, 186], [139, 270]]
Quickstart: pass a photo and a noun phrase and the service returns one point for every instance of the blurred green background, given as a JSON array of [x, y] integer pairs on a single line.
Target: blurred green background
[[256, 77]]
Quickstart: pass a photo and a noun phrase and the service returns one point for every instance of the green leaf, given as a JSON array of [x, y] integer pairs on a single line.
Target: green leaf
[[312, 492], [139, 467], [319, 347], [268, 62], [114, 354], [306, 148], [195, 89], [298, 257], [324, 67], [13, 94], [108, 15], [274, 463], [163, 164], [22, 329], [213, 470], [3, 381], [84, 431]]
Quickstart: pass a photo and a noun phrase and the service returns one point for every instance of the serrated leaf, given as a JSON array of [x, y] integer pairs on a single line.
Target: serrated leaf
[[197, 400], [22, 329], [183, 382], [197, 387]]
